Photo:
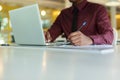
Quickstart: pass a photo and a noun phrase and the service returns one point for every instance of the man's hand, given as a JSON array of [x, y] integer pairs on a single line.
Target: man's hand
[[78, 38], [48, 38]]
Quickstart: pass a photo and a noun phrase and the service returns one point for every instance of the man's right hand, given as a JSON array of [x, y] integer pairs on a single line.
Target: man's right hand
[[48, 37]]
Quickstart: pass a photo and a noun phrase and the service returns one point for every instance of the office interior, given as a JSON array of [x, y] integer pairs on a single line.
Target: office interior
[[46, 63], [49, 10]]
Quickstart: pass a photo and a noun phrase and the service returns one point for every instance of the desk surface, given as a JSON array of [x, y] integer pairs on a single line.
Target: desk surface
[[40, 63]]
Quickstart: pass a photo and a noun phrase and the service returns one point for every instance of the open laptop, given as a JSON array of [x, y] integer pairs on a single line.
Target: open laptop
[[27, 26]]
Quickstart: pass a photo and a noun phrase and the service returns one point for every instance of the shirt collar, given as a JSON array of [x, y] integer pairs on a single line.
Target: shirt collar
[[81, 5]]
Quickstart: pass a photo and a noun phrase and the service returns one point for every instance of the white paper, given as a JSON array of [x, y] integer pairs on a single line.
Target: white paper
[[89, 48]]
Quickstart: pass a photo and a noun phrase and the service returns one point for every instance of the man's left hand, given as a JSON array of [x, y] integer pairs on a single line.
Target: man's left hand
[[79, 39]]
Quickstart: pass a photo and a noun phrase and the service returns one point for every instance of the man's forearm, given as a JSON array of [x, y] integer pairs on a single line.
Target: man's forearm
[[102, 39]]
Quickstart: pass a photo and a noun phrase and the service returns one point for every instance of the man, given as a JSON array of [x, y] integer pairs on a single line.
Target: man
[[92, 24]]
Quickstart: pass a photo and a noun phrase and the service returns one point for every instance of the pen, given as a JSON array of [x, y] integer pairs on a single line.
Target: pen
[[83, 24]]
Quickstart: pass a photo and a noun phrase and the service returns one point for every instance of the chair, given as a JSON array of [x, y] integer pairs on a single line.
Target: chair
[[115, 37]]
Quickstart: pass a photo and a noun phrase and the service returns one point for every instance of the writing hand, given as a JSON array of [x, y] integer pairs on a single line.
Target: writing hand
[[78, 39]]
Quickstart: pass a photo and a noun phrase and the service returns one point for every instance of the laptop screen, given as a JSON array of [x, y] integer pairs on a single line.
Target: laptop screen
[[26, 25]]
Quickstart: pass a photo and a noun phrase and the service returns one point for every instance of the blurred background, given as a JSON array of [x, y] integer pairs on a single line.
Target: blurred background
[[49, 10]]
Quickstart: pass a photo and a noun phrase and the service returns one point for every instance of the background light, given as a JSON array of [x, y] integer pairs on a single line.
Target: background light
[[113, 3], [43, 12], [0, 8]]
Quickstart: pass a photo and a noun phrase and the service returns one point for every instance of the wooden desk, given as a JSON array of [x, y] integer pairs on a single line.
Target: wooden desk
[[40, 63]]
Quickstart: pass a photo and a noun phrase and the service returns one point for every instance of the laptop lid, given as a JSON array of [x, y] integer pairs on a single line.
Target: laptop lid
[[27, 26]]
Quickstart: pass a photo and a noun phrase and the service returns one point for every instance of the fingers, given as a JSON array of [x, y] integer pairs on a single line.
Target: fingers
[[48, 37], [77, 33], [75, 38], [79, 39]]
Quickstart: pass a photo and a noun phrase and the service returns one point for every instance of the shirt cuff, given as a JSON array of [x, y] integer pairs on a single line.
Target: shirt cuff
[[96, 40]]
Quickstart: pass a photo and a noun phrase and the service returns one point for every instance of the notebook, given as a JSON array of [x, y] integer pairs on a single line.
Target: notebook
[[27, 26], [103, 49]]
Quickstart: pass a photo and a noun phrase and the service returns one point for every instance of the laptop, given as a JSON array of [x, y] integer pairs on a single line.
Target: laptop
[[27, 25]]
